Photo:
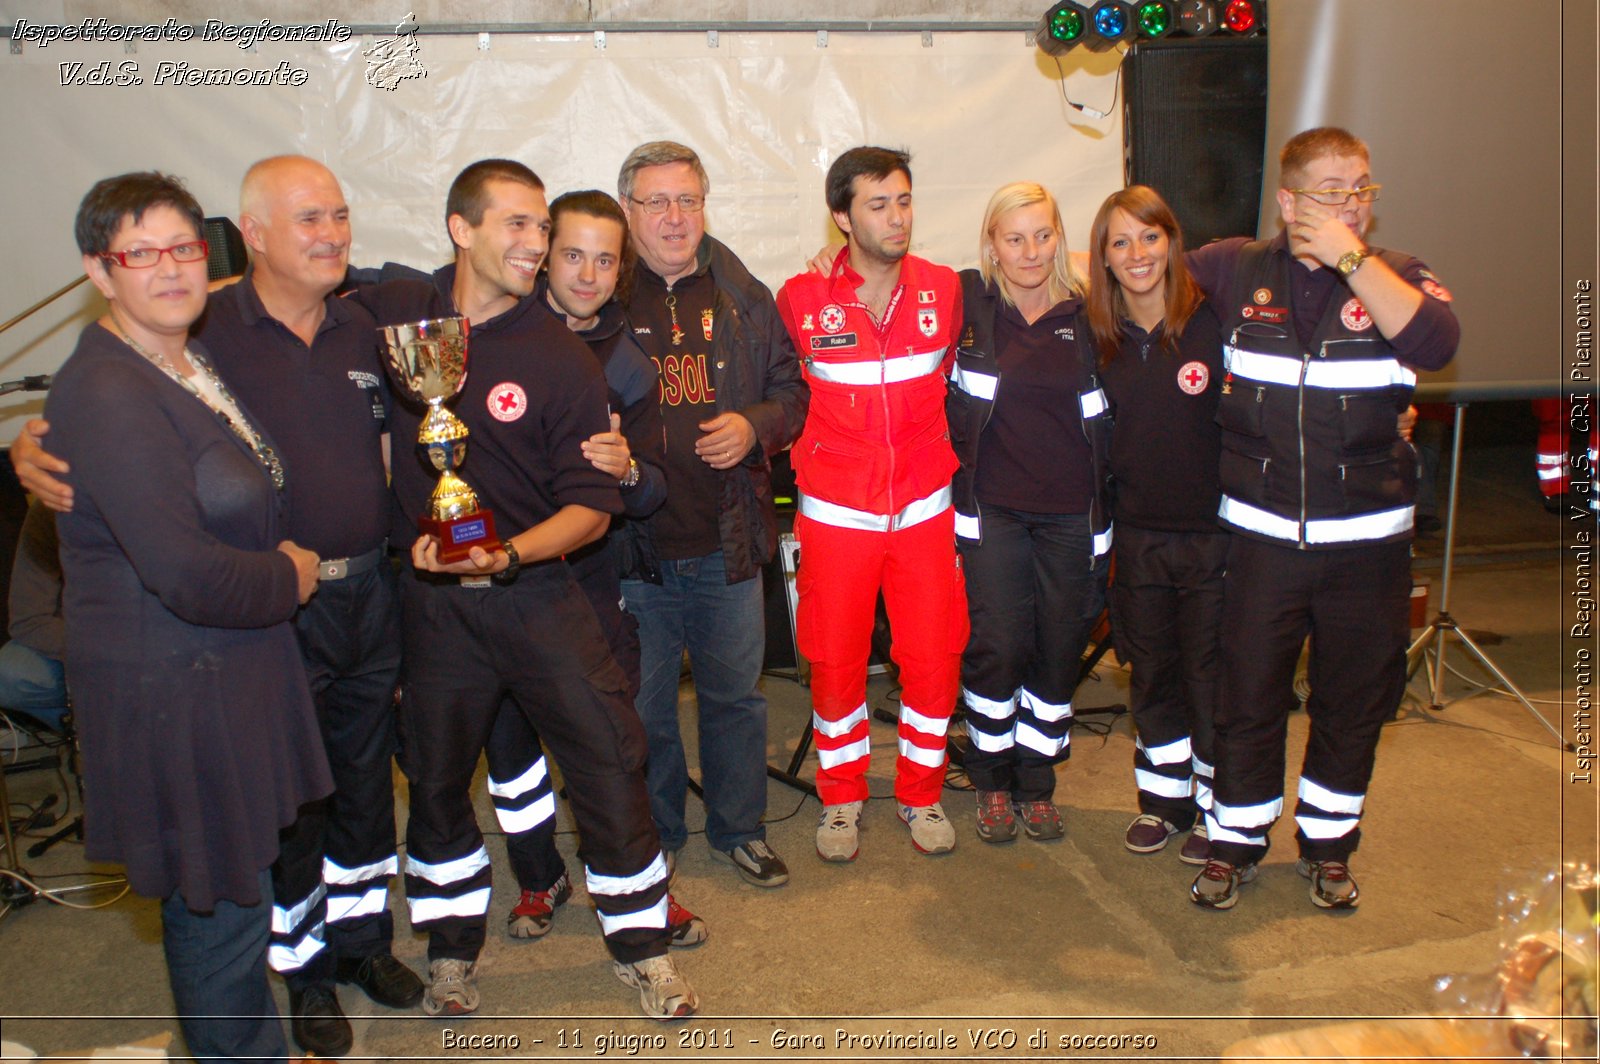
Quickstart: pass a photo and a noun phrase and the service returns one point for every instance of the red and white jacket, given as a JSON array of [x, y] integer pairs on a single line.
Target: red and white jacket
[[875, 452]]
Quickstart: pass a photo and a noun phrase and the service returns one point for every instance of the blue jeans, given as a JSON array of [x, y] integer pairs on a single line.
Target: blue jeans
[[32, 684], [217, 965], [723, 626]]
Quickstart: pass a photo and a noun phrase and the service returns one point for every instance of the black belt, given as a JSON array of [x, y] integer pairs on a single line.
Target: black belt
[[339, 568]]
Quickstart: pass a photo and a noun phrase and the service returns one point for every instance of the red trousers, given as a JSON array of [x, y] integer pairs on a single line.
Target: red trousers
[[1559, 430], [841, 573]]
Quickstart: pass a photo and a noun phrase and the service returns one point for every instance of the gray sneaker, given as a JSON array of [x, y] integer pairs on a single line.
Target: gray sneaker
[[1217, 885], [664, 994], [931, 832], [838, 832], [1332, 886], [452, 987]]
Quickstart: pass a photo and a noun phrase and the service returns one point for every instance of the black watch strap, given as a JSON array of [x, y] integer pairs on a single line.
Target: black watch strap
[[509, 573]]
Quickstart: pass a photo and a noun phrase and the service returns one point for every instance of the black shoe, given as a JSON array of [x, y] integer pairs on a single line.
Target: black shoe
[[317, 1022], [384, 979], [757, 863]]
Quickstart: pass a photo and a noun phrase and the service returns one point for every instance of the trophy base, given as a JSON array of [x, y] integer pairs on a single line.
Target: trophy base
[[458, 535]]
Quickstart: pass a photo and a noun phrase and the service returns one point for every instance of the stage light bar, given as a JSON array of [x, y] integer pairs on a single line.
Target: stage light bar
[[1110, 23], [1100, 25], [1062, 28]]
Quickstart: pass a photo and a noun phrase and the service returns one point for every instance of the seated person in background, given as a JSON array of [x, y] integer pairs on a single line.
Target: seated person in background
[[31, 678]]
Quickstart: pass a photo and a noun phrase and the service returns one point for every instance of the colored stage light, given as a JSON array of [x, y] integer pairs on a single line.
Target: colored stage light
[[1110, 23], [1155, 18], [1062, 28], [1242, 17]]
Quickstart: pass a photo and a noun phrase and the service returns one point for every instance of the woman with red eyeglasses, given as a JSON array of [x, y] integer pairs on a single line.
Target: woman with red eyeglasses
[[198, 734]]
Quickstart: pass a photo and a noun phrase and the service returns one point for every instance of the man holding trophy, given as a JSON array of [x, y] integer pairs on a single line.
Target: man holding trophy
[[507, 618]]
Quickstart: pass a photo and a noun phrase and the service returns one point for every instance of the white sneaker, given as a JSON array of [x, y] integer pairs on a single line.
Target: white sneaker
[[452, 987], [931, 832], [664, 993], [838, 832]]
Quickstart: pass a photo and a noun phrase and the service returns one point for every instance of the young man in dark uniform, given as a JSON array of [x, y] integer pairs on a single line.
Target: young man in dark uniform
[[1325, 336], [589, 254], [513, 622]]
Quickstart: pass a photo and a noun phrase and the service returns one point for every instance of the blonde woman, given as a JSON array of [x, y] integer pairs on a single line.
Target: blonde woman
[[1028, 421]]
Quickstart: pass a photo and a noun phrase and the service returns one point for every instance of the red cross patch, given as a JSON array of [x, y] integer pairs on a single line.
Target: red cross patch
[[1193, 377], [1355, 316], [507, 401], [928, 322], [831, 318]]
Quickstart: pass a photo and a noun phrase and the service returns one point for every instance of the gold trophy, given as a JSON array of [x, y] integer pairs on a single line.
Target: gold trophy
[[428, 362]]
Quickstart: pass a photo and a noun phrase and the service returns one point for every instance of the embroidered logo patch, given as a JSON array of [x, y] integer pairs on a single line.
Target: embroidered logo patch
[[507, 401], [1193, 377], [927, 295], [1437, 291], [1262, 296], [705, 323], [928, 322], [1355, 316], [808, 323], [832, 318]]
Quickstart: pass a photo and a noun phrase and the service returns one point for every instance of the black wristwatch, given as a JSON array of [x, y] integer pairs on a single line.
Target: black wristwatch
[[509, 573]]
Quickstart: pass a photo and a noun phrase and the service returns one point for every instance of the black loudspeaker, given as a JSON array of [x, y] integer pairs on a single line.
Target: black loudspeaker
[[780, 648], [780, 630], [1195, 128], [228, 256]]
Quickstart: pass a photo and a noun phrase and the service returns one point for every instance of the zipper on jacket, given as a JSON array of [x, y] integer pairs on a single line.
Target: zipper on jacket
[[1300, 434], [977, 437], [1300, 417], [888, 435]]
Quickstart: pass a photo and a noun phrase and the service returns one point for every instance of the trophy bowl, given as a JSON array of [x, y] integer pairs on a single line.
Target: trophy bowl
[[427, 362]]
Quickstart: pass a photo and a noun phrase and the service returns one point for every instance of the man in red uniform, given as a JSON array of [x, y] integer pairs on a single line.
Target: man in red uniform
[[1561, 433], [876, 335]]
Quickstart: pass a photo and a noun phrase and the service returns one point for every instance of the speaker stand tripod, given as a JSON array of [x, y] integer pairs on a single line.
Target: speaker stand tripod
[[1434, 638]]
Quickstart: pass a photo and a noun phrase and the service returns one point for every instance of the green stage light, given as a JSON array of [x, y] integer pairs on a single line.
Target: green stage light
[[1062, 28], [1155, 18]]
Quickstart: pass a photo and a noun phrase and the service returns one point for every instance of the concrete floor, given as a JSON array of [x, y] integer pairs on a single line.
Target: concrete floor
[[1076, 937]]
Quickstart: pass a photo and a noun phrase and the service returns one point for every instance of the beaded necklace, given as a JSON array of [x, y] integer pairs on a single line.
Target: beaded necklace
[[229, 410]]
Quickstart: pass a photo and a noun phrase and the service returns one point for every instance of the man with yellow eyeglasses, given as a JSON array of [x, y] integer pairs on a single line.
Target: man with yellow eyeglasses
[[1325, 335]]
